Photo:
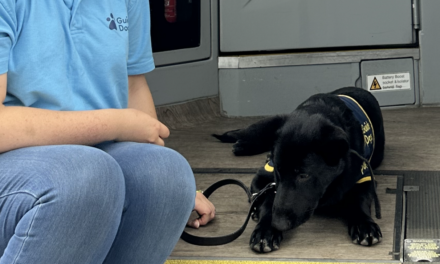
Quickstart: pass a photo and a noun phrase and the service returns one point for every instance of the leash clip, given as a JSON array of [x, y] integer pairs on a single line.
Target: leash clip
[[262, 191]]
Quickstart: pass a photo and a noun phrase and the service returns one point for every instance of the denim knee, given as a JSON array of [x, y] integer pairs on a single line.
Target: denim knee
[[160, 194], [79, 195], [154, 170], [182, 182], [84, 177]]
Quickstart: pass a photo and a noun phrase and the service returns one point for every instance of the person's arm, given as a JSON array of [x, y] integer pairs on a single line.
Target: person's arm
[[139, 95], [140, 98], [27, 126]]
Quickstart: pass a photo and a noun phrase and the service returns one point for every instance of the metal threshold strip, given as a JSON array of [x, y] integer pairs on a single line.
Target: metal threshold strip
[[314, 58], [266, 262]]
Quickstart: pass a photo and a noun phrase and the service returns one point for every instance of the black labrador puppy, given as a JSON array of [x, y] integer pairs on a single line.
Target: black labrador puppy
[[319, 157]]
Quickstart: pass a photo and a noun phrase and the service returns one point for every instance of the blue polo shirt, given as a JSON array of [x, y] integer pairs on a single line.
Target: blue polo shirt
[[73, 54]]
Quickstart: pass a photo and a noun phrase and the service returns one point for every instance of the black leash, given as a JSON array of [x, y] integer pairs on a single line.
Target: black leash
[[375, 197], [220, 240]]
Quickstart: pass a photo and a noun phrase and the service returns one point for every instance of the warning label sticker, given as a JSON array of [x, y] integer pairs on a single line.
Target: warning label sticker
[[422, 250], [389, 82]]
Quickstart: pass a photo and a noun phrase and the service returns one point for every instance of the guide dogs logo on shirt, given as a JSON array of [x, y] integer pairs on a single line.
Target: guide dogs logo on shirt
[[117, 23]]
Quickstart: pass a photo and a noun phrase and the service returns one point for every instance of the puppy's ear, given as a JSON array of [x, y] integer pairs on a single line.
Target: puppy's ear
[[255, 139], [334, 144]]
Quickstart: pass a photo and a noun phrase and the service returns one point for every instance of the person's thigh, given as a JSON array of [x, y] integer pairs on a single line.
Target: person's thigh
[[160, 194], [58, 204]]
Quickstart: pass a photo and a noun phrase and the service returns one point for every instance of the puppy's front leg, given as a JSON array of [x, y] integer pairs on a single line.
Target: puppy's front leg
[[255, 139], [361, 226], [265, 238]]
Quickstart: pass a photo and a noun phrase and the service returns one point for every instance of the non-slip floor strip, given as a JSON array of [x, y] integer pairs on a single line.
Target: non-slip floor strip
[[260, 262]]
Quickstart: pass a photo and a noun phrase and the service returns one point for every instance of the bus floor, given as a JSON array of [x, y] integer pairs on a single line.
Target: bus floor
[[411, 145]]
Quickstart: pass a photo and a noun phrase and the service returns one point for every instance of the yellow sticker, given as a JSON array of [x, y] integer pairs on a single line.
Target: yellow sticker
[[375, 85]]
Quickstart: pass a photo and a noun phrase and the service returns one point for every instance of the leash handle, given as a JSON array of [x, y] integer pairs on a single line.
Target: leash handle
[[221, 240], [224, 182]]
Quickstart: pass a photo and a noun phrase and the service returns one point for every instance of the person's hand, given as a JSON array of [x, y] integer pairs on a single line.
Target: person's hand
[[205, 209], [138, 126]]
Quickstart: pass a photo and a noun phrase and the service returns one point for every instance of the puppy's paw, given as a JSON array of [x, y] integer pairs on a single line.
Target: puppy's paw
[[366, 233], [243, 148], [264, 240]]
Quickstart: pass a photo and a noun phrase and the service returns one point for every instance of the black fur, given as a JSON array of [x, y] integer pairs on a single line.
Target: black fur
[[310, 149]]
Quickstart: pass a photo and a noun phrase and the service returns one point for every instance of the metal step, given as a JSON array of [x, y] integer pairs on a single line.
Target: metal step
[[422, 237]]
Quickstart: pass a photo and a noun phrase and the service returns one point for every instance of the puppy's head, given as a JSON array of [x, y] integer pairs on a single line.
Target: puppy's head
[[308, 155]]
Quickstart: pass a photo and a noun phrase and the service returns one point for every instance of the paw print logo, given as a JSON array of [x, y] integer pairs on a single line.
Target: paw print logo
[[112, 24]]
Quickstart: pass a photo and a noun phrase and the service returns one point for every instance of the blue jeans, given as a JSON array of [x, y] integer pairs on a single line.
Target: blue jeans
[[114, 204]]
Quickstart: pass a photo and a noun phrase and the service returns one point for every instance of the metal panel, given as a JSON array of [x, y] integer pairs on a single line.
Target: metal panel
[[248, 83], [429, 52], [254, 25], [183, 82], [395, 72], [278, 90]]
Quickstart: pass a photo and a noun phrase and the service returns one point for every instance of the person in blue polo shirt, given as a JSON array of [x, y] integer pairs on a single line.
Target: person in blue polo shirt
[[84, 174]]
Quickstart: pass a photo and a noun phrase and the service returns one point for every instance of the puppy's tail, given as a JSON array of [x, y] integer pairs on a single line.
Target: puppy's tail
[[228, 137]]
